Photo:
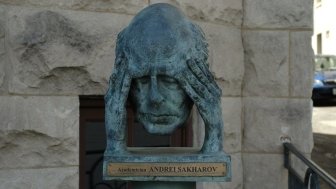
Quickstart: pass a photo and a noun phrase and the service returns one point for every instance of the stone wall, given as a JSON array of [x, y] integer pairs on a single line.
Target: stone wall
[[53, 51]]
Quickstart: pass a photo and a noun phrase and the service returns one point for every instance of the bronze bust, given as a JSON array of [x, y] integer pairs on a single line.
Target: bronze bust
[[161, 64]]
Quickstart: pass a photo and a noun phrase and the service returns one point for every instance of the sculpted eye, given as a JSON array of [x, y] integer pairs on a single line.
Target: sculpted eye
[[167, 79], [143, 80]]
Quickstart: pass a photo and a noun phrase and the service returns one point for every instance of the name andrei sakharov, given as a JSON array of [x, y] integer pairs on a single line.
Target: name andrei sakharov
[[167, 169]]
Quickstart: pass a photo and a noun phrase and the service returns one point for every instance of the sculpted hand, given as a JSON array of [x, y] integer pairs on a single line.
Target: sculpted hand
[[115, 108], [201, 87]]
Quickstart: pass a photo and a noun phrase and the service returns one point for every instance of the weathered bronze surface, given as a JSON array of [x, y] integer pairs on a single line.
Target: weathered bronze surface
[[161, 67], [167, 169]]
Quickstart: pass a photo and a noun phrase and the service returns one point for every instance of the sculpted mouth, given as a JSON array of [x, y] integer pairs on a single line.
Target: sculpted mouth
[[157, 118], [158, 115]]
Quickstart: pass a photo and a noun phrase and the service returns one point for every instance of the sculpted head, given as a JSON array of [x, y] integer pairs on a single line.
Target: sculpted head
[[156, 46], [161, 66]]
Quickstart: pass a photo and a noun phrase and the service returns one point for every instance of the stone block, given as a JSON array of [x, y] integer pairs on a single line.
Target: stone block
[[267, 121], [278, 14], [299, 166], [266, 63], [226, 56], [2, 21], [39, 131], [217, 11], [264, 171], [61, 52], [301, 64], [237, 176], [51, 178], [2, 70], [117, 6], [2, 50], [232, 111]]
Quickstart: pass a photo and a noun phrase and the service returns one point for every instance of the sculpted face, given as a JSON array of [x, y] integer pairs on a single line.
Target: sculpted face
[[156, 45], [154, 48], [160, 103]]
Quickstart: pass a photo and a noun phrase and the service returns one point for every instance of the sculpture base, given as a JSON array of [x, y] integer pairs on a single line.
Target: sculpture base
[[167, 164]]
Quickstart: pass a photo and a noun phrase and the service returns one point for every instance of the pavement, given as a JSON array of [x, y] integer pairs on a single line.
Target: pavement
[[324, 130], [324, 120]]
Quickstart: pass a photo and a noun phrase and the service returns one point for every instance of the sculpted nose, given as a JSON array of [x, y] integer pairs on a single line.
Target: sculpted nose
[[155, 97]]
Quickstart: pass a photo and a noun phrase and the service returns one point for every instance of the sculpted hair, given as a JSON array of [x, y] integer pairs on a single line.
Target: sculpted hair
[[198, 52]]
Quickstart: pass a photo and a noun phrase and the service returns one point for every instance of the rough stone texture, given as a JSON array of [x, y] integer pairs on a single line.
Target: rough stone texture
[[237, 176], [301, 64], [51, 178], [2, 50], [278, 14], [217, 11], [2, 22], [226, 56], [264, 171], [299, 165], [118, 6], [232, 111], [38, 131], [78, 59], [269, 120], [266, 63], [61, 52]]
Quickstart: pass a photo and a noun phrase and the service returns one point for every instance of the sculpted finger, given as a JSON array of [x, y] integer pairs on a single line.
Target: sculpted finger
[[115, 82], [188, 88], [212, 82], [119, 74], [198, 86], [119, 61], [205, 69], [206, 105], [125, 88], [198, 100], [202, 73], [198, 70]]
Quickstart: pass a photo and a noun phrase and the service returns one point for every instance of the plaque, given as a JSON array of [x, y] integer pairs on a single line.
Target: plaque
[[167, 169]]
